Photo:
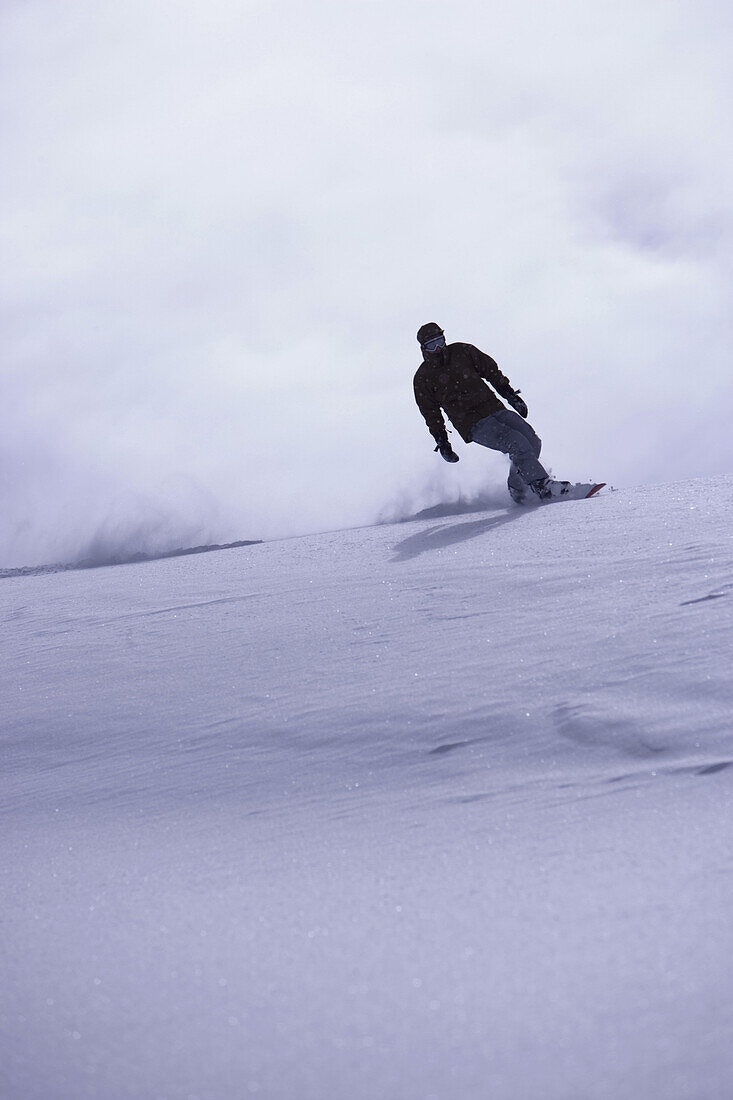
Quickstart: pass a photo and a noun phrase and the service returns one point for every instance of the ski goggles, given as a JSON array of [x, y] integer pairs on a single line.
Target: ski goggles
[[435, 343]]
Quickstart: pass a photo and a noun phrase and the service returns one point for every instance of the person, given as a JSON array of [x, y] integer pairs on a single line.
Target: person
[[452, 378]]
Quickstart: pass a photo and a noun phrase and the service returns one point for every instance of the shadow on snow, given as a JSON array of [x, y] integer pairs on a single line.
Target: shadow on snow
[[438, 538]]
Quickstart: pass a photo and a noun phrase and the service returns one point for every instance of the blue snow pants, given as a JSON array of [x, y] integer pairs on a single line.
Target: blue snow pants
[[506, 431]]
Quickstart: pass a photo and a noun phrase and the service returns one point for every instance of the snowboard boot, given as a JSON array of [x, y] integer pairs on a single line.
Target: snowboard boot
[[547, 489]]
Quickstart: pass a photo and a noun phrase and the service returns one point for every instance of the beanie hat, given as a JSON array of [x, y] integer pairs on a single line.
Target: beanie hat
[[428, 332]]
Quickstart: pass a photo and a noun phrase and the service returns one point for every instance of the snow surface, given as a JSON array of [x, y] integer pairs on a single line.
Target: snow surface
[[431, 810]]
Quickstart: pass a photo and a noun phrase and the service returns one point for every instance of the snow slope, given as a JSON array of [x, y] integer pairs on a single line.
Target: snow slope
[[439, 809]]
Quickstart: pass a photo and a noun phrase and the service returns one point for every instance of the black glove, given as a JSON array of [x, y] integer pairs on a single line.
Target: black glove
[[447, 451], [517, 403]]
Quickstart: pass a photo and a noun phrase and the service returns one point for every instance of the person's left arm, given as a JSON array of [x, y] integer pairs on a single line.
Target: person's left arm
[[488, 368]]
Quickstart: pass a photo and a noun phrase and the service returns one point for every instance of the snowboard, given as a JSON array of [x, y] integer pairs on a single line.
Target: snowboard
[[580, 491]]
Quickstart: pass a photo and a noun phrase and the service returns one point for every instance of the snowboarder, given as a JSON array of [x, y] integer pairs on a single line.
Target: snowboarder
[[452, 378]]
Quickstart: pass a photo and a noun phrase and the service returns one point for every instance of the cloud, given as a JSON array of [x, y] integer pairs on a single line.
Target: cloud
[[225, 223]]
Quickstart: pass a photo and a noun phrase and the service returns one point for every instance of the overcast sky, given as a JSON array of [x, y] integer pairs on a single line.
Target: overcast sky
[[223, 223]]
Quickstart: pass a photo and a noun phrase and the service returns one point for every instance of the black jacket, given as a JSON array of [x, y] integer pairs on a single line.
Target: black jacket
[[453, 379]]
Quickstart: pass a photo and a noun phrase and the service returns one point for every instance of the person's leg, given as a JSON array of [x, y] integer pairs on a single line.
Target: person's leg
[[516, 485], [506, 431]]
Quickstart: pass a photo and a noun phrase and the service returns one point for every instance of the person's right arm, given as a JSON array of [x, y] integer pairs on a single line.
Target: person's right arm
[[433, 416]]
